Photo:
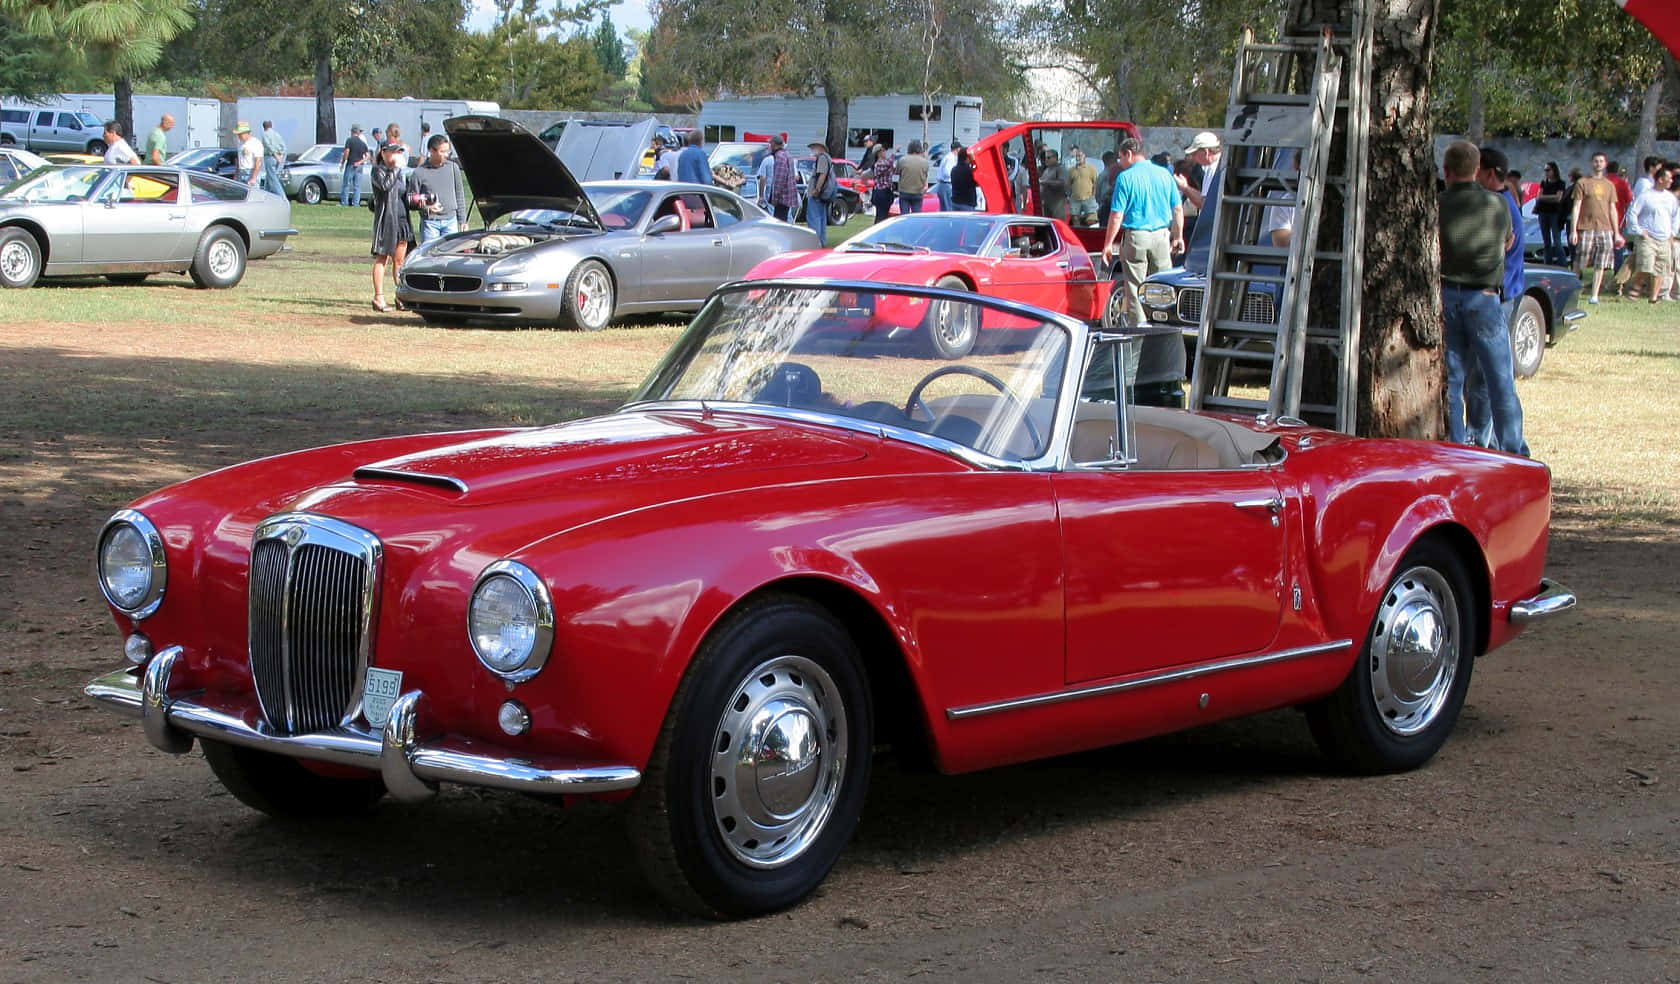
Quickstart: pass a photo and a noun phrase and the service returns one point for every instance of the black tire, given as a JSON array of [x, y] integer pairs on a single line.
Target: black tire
[[127, 278], [715, 845], [282, 788], [950, 328], [1424, 626], [587, 304], [1528, 337], [312, 192], [839, 210], [96, 147], [219, 261], [7, 141], [20, 258]]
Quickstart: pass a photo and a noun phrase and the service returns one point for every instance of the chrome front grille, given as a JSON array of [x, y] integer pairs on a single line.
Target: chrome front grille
[[452, 283], [311, 615], [1257, 306]]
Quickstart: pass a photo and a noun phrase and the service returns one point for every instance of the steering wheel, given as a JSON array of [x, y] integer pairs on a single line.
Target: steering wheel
[[915, 401]]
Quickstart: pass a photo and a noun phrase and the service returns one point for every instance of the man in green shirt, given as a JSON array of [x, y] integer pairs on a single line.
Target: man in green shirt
[[157, 142], [1475, 232]]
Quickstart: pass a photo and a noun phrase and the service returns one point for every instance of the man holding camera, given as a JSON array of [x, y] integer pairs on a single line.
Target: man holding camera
[[437, 192]]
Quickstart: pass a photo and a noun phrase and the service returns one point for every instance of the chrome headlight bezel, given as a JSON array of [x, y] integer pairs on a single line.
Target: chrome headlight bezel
[[155, 567], [1158, 295], [536, 597]]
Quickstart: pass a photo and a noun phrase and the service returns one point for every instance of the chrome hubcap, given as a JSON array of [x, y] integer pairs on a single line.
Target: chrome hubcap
[[778, 761], [1114, 313], [15, 261], [1414, 651], [954, 321], [1525, 340], [594, 297], [222, 258]]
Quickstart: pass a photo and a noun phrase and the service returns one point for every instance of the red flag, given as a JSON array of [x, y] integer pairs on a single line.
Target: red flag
[[1661, 16]]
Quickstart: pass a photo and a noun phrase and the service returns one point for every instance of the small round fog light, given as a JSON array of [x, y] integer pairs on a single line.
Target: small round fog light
[[514, 718], [137, 648]]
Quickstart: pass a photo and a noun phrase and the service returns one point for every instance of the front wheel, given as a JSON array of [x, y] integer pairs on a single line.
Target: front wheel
[[1116, 316], [758, 776], [96, 147], [1402, 697], [587, 304], [312, 192], [952, 327], [1528, 337], [282, 788], [20, 258], [220, 259], [838, 211]]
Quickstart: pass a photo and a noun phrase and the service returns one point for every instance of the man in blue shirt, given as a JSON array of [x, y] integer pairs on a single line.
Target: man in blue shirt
[[1147, 205], [692, 163], [1478, 411]]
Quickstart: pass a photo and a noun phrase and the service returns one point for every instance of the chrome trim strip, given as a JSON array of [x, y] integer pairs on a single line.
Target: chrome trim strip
[[1553, 599], [1574, 316], [411, 767], [1146, 680], [276, 233], [422, 478]]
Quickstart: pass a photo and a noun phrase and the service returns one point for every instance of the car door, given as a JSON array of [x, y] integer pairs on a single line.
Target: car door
[[137, 217], [1033, 266], [1168, 568], [686, 264]]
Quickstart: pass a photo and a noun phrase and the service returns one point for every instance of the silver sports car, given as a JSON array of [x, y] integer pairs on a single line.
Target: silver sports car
[[557, 252], [130, 222], [318, 174]]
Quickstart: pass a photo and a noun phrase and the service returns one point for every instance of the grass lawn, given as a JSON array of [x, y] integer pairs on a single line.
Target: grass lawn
[[128, 387]]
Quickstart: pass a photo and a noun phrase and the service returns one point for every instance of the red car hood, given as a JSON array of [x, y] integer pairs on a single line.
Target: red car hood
[[841, 265]]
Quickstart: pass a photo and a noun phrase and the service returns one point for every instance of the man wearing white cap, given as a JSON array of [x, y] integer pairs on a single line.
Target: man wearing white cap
[[1204, 152], [250, 165]]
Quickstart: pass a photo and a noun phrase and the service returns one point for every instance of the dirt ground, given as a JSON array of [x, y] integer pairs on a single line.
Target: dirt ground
[[1543, 843]]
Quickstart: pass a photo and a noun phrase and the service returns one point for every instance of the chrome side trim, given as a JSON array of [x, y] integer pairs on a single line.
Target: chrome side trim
[[421, 478], [1146, 680], [276, 233], [1553, 599], [412, 768]]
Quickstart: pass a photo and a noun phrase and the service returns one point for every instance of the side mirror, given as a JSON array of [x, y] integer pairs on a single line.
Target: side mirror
[[664, 224]]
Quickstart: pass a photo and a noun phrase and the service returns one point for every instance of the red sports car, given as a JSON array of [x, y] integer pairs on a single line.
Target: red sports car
[[790, 549], [1016, 257]]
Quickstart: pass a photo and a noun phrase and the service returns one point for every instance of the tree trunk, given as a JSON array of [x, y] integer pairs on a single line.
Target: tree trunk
[[1402, 372], [837, 117], [326, 119], [1647, 144], [123, 90]]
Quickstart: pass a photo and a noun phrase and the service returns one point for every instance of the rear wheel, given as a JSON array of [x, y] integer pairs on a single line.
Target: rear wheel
[[587, 304], [839, 211], [1528, 337], [952, 327], [20, 258], [220, 259], [312, 192], [1402, 696], [280, 787], [758, 776]]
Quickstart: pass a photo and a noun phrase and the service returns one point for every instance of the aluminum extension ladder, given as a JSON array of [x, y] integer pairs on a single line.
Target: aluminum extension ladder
[[1292, 102]]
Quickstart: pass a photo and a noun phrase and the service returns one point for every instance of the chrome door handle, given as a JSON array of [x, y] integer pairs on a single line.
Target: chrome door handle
[[1062, 265], [717, 242], [1273, 506]]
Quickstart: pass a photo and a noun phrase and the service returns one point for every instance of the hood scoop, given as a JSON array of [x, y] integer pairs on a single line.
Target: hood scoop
[[374, 473]]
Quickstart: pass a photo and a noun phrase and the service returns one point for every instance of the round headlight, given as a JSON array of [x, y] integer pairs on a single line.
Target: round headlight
[[510, 620], [132, 570]]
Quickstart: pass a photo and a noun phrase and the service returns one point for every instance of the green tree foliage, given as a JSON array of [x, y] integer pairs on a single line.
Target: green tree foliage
[[35, 68], [525, 62], [609, 50], [846, 48], [1156, 61]]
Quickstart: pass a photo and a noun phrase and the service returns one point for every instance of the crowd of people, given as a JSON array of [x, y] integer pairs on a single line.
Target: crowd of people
[[1599, 222]]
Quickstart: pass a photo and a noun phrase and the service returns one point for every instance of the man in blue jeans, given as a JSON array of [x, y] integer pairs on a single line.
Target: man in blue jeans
[[443, 208], [355, 155], [1478, 416], [1475, 232]]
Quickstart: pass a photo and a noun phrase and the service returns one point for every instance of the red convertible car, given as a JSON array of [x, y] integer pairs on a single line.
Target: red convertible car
[[794, 547], [1017, 257]]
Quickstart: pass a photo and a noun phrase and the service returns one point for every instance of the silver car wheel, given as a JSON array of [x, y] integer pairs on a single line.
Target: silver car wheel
[[17, 261], [222, 258], [594, 297], [778, 761], [1115, 315], [1528, 338], [1414, 652]]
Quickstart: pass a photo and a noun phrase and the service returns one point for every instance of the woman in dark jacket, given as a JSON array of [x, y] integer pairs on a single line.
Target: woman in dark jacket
[[392, 231]]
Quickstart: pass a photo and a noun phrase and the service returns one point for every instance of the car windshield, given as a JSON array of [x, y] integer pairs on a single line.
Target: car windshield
[[57, 184], [935, 233], [857, 351], [328, 153], [196, 157]]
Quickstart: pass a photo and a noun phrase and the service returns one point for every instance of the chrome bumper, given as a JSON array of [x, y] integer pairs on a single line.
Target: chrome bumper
[[411, 768], [1553, 599]]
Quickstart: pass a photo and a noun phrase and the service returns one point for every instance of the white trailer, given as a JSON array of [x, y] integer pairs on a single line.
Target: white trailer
[[294, 116], [898, 119], [196, 120]]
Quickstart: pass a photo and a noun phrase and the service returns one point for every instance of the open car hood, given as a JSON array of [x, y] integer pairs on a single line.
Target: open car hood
[[510, 169]]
